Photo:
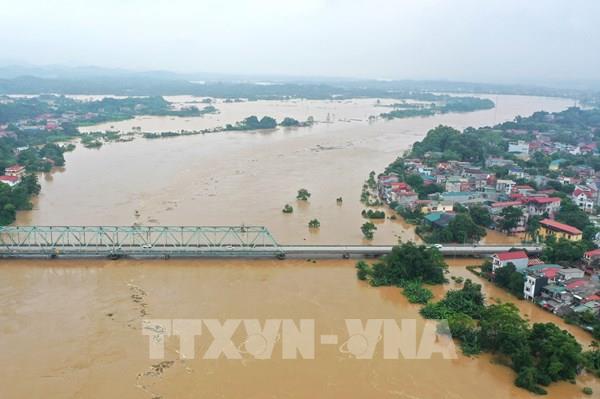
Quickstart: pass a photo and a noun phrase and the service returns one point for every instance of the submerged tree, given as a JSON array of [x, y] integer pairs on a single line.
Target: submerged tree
[[368, 230], [314, 224], [303, 194]]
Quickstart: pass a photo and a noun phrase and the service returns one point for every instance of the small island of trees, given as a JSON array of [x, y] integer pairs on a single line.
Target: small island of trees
[[371, 214], [314, 224], [368, 230], [303, 195], [266, 122]]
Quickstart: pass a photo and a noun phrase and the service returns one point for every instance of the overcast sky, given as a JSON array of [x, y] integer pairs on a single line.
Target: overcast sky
[[475, 40]]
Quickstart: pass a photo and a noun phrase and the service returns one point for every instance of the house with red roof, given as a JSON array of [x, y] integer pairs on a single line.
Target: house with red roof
[[538, 206], [559, 230], [400, 187], [15, 170], [587, 148], [575, 283], [517, 258], [584, 197], [593, 297], [591, 256], [10, 180]]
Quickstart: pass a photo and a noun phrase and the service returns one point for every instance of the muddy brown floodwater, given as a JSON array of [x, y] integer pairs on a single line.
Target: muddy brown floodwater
[[71, 329], [247, 177]]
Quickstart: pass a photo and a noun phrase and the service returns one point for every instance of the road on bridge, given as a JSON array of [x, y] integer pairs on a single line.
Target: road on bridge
[[191, 241]]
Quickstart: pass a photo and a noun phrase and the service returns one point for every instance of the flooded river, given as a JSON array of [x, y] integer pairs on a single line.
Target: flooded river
[[247, 177], [71, 329]]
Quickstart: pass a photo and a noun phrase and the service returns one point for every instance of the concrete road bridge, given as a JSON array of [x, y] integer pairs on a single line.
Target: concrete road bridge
[[190, 241]]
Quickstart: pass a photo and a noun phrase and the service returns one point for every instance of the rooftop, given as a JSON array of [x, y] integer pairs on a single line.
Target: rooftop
[[553, 224], [11, 179], [506, 203], [504, 256], [594, 252], [543, 200]]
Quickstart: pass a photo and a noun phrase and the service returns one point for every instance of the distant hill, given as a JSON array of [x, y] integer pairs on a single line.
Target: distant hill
[[17, 79]]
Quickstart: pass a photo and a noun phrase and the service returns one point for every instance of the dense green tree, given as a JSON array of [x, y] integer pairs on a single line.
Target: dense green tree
[[303, 194], [368, 230], [465, 328], [409, 262], [461, 229], [502, 329], [289, 122], [415, 292], [502, 275], [591, 361], [362, 270], [509, 278], [469, 300], [563, 250], [314, 224], [533, 227], [53, 152], [556, 353], [510, 218], [480, 215], [17, 198], [571, 214]]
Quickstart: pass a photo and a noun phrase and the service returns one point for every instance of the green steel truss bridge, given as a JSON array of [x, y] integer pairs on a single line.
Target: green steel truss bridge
[[118, 241], [189, 241]]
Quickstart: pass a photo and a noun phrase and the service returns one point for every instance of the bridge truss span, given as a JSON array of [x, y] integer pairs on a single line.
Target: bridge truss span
[[192, 241], [132, 240]]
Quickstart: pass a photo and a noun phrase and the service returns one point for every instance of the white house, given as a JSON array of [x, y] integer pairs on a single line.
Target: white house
[[584, 197], [533, 285], [505, 186], [517, 258], [538, 206]]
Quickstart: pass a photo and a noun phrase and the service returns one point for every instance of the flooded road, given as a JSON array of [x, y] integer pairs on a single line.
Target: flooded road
[[72, 330], [247, 177]]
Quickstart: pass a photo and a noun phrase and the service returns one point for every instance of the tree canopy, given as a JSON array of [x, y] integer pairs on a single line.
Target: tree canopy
[[407, 262]]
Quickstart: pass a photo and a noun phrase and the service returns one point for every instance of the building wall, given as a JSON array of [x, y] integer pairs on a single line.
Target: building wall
[[544, 232]]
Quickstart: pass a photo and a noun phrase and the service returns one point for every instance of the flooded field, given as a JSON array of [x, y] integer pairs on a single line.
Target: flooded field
[[247, 177], [72, 330]]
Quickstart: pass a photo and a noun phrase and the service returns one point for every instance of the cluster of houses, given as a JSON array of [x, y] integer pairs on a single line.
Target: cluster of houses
[[543, 142], [466, 184], [561, 290], [47, 123], [12, 175]]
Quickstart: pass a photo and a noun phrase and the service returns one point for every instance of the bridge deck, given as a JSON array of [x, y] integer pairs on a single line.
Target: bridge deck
[[189, 241]]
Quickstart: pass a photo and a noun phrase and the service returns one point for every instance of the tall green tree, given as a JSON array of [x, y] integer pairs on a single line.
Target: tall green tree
[[510, 218], [408, 262]]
